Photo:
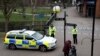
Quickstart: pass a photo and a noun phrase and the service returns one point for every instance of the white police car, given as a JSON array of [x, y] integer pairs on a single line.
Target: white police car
[[29, 39]]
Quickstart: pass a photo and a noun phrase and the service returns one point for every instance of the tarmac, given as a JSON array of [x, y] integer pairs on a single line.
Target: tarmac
[[84, 26]]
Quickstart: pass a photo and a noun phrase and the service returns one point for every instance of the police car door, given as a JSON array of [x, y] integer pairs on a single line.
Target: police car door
[[19, 41], [31, 42]]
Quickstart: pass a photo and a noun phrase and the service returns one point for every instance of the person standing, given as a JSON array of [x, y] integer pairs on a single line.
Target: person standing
[[74, 33], [52, 31], [72, 51], [66, 48]]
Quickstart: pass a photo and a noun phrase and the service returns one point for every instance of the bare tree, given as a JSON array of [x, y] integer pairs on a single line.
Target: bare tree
[[8, 7], [23, 8], [33, 6]]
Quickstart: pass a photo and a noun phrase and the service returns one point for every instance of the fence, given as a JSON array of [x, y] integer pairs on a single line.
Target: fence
[[38, 26], [43, 25]]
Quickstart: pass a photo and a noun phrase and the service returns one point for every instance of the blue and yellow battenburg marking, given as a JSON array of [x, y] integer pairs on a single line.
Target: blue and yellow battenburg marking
[[21, 43], [25, 43]]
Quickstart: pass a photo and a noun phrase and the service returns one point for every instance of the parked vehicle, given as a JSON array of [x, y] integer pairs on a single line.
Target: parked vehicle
[[29, 39]]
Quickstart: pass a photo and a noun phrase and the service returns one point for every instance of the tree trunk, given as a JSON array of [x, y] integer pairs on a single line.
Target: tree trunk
[[8, 6], [6, 23], [23, 9], [5, 14]]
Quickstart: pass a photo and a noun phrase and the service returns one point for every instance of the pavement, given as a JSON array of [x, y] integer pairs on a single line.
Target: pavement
[[84, 26]]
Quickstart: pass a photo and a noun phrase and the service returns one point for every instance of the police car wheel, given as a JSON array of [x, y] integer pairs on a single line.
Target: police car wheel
[[43, 48], [12, 47]]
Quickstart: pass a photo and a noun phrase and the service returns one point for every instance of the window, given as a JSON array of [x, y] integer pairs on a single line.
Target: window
[[19, 36], [11, 36], [37, 36], [29, 38]]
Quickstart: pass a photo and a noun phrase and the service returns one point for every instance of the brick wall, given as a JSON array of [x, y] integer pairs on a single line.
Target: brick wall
[[84, 8], [98, 8]]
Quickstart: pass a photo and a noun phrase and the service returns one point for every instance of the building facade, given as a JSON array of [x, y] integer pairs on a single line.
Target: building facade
[[85, 7], [98, 8]]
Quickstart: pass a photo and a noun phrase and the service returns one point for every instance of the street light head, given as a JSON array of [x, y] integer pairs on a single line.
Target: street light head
[[56, 9]]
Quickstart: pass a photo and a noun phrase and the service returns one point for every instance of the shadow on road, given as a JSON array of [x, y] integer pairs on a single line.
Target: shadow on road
[[22, 49]]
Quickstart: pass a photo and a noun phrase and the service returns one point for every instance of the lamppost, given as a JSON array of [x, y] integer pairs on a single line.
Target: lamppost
[[56, 9], [65, 23], [93, 27]]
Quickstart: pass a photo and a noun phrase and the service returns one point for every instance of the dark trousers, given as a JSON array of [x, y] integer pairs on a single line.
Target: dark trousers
[[75, 38], [52, 35], [66, 54]]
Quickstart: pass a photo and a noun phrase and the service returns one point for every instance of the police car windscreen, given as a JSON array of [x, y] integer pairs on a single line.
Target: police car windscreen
[[37, 36]]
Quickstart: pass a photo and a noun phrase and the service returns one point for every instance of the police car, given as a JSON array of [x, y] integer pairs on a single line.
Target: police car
[[29, 39]]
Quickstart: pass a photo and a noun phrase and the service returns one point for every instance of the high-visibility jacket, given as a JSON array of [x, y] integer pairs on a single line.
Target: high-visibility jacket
[[74, 31], [52, 30]]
